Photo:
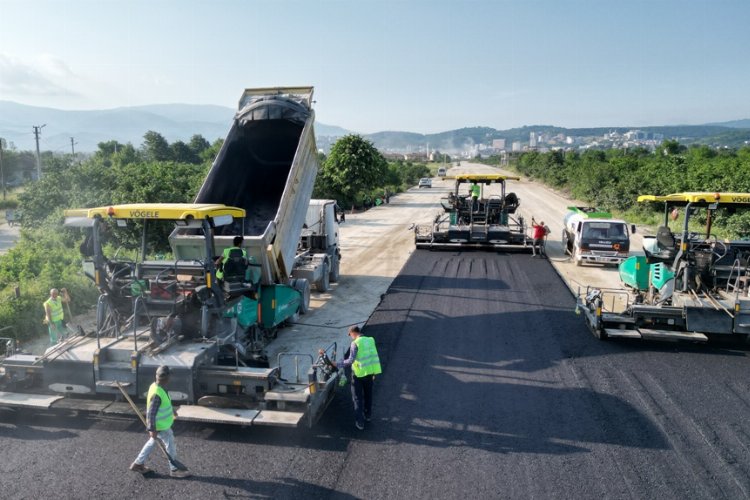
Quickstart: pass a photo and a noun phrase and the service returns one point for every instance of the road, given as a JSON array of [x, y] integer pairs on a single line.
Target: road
[[8, 236], [493, 388]]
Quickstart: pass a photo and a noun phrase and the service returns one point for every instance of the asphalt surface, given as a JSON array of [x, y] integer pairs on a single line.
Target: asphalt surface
[[493, 388]]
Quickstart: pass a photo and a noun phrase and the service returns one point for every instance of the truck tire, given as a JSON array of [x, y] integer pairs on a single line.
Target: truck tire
[[303, 287], [323, 284], [579, 262], [335, 264]]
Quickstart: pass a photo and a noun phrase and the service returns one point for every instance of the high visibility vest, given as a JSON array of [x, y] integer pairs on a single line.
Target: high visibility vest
[[225, 258], [55, 309], [367, 361], [165, 414], [475, 190]]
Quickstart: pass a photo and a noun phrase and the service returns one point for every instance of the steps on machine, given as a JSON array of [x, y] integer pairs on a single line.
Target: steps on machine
[[647, 333], [288, 396], [194, 413]]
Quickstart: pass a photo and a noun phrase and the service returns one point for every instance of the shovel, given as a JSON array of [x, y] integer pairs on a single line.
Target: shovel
[[172, 461]]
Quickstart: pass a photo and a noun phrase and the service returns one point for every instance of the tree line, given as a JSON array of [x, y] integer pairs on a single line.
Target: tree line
[[46, 256], [613, 179]]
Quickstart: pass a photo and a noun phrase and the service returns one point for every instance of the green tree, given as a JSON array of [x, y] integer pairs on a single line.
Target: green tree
[[198, 144], [209, 154], [354, 166], [156, 147], [182, 153]]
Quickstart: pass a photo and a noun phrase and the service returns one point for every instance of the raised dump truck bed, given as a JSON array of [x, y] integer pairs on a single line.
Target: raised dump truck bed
[[267, 166]]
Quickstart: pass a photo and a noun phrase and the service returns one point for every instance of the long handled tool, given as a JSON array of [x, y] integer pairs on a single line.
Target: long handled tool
[[172, 461]]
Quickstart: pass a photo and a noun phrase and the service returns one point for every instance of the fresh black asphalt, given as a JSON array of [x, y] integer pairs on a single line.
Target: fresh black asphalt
[[492, 388]]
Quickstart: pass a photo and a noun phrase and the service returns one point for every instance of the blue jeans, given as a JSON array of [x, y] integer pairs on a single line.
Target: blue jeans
[[362, 398], [166, 437]]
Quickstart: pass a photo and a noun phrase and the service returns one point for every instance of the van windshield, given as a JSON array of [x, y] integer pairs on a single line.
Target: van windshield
[[605, 231]]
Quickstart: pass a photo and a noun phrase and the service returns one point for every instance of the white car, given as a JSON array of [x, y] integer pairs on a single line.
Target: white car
[[425, 182]]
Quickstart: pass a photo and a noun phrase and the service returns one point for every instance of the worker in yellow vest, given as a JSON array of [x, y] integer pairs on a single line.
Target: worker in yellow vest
[[160, 416], [54, 314], [220, 261], [475, 190], [365, 364]]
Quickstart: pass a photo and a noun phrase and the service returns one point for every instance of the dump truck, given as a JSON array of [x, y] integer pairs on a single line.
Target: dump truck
[[488, 220], [689, 285], [154, 311], [591, 235]]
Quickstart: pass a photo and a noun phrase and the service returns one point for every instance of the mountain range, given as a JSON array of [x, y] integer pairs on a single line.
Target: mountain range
[[182, 121]]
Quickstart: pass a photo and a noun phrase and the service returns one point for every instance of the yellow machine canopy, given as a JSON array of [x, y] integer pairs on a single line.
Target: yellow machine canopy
[[700, 198], [158, 211]]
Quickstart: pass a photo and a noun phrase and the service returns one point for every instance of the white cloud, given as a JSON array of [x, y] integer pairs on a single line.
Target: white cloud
[[38, 77]]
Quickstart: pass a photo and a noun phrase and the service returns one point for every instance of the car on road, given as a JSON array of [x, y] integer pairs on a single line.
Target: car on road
[[425, 182]]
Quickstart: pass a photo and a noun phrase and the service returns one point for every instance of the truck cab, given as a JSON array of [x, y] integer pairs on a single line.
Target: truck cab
[[592, 235]]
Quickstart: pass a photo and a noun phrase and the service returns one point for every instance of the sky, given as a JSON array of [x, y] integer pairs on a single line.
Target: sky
[[411, 65]]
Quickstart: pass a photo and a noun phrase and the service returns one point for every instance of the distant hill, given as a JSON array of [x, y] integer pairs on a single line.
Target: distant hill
[[463, 139], [127, 124], [182, 121], [322, 129], [734, 124]]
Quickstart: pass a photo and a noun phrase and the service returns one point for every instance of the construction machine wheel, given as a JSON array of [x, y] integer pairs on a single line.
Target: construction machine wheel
[[323, 284], [303, 287]]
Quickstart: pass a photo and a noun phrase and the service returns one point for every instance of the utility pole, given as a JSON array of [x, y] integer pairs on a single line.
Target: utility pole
[[37, 131], [73, 146], [2, 172]]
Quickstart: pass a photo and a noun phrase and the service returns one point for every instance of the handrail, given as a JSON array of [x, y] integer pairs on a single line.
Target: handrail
[[98, 326], [136, 302], [732, 287], [296, 356], [11, 343]]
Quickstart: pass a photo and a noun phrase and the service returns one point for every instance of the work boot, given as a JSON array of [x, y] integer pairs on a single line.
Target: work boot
[[139, 468], [180, 473]]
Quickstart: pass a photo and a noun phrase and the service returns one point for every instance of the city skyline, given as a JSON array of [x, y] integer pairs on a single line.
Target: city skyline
[[391, 65]]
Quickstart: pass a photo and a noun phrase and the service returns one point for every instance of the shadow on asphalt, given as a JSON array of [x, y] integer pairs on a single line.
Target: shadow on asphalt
[[284, 487]]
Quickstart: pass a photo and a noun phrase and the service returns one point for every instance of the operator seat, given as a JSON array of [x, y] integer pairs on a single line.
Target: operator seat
[[511, 202], [235, 270], [666, 245]]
